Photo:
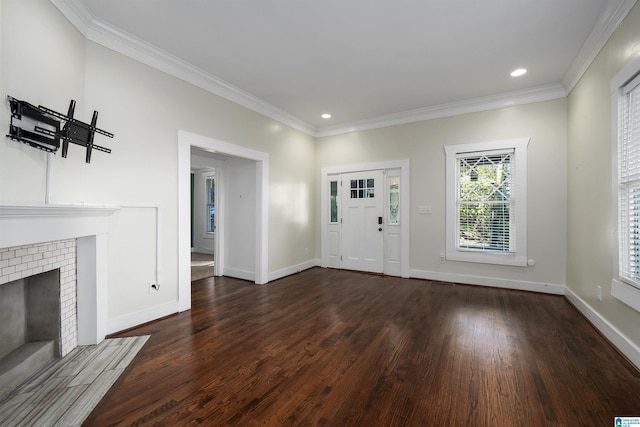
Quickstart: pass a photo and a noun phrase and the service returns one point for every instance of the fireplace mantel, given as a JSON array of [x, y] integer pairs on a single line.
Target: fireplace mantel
[[22, 225], [55, 210], [29, 224]]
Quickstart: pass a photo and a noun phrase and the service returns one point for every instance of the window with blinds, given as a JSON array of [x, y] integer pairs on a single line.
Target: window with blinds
[[484, 201], [629, 183]]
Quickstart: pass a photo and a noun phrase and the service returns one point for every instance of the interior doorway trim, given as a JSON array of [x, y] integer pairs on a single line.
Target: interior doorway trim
[[186, 140], [403, 165]]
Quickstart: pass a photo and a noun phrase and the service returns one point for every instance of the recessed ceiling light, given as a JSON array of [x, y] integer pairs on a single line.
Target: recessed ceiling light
[[518, 72], [326, 116]]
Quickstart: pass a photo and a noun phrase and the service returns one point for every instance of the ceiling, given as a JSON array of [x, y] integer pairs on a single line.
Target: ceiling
[[368, 63]]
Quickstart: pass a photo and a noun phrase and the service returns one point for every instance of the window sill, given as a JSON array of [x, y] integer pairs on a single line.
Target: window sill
[[626, 293], [488, 258], [209, 235]]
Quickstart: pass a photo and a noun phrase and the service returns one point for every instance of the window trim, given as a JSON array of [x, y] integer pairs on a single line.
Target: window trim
[[519, 193], [621, 289]]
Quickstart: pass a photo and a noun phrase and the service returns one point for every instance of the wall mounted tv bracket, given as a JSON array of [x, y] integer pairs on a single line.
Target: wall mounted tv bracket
[[47, 130]]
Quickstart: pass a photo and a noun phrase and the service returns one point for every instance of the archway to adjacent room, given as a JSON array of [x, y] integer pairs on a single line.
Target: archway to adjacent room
[[250, 195]]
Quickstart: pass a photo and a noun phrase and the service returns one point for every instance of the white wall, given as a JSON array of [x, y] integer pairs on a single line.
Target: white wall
[[144, 108], [423, 143], [240, 218], [45, 70], [292, 208], [591, 219], [132, 259]]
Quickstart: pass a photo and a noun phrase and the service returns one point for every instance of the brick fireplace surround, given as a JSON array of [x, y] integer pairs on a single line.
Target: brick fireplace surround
[[24, 261]]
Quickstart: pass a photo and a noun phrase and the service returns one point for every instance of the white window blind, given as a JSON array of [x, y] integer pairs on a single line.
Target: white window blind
[[629, 183], [484, 201]]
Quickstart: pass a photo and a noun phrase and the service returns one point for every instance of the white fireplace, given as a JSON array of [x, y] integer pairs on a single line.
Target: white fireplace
[[62, 232]]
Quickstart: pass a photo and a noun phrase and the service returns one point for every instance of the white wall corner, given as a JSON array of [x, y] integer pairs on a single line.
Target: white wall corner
[[237, 273], [284, 272], [611, 17], [76, 12], [610, 332]]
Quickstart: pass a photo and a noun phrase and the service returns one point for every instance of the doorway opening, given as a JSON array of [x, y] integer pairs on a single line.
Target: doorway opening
[[241, 221], [204, 202]]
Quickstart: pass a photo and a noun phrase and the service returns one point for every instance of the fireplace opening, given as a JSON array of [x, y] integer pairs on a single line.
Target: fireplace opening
[[29, 327]]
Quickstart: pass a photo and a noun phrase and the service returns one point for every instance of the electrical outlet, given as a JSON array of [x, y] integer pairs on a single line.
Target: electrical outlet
[[599, 292], [153, 287], [424, 210]]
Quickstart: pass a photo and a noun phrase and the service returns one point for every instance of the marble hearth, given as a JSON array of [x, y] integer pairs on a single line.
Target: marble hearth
[[70, 240]]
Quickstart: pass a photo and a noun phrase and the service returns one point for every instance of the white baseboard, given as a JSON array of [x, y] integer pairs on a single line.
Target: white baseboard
[[278, 274], [138, 318], [615, 337], [239, 274], [520, 285]]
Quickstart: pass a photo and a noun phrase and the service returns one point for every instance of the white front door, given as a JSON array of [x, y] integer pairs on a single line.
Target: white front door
[[362, 221]]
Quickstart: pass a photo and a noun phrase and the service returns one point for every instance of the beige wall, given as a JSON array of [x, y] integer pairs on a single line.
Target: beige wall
[[423, 143], [591, 217]]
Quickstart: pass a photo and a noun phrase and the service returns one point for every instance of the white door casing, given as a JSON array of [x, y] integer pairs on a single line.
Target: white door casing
[[186, 140], [396, 248]]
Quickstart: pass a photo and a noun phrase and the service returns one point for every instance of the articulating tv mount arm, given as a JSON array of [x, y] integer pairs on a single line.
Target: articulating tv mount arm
[[50, 129]]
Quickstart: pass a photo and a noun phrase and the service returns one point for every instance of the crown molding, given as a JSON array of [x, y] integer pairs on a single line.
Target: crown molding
[[509, 99], [146, 53], [122, 42], [609, 20], [106, 35]]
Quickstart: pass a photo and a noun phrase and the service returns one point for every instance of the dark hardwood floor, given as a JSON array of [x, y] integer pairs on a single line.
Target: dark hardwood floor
[[337, 348]]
